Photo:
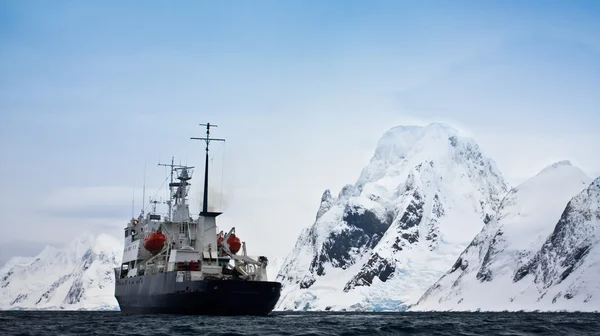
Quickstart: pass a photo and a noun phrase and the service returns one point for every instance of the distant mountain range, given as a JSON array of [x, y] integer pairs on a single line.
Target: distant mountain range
[[431, 224], [79, 276]]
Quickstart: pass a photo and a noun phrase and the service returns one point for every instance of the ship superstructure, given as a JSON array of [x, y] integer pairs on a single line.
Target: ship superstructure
[[176, 263]]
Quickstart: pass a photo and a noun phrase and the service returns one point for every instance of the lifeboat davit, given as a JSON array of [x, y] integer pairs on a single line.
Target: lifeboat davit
[[153, 242], [220, 239], [234, 243]]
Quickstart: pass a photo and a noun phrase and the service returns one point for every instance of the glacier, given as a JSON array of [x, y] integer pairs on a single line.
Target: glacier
[[541, 253], [377, 246]]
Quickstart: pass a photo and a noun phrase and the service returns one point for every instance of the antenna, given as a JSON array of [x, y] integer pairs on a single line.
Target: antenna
[[144, 192], [208, 139]]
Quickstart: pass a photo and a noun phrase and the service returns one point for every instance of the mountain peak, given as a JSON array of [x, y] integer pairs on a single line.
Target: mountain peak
[[560, 170], [424, 194], [556, 165], [397, 142], [403, 148], [430, 127]]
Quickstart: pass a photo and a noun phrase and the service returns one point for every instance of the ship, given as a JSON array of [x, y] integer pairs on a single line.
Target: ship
[[174, 263]]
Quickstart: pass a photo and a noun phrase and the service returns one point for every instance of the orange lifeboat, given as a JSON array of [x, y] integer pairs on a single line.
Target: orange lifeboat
[[153, 242], [234, 243]]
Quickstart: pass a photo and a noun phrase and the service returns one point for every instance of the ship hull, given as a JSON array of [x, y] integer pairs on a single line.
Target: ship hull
[[166, 293]]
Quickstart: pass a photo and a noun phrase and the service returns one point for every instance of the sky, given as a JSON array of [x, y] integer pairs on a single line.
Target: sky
[[94, 94]]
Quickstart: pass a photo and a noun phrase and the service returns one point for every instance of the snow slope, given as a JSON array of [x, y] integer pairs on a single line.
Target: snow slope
[[273, 267], [79, 276], [524, 260], [384, 240]]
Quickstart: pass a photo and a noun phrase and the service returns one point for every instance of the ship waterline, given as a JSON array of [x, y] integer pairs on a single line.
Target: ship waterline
[[165, 294]]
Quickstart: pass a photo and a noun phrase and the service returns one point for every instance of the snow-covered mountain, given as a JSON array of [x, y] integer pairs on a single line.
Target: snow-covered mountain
[[79, 276], [524, 260], [384, 240]]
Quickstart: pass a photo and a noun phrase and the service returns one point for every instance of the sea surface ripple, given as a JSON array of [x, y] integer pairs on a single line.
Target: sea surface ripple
[[296, 324]]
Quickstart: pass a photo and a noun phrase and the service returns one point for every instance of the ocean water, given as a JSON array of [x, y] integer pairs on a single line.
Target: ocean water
[[282, 323]]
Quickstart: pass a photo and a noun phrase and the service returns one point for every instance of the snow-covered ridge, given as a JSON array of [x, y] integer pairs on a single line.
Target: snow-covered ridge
[[542, 252], [377, 246], [79, 276]]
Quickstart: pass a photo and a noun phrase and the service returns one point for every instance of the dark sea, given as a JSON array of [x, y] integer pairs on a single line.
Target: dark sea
[[283, 323]]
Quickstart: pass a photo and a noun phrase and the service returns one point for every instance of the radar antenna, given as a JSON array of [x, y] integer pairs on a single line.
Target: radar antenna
[[207, 139]]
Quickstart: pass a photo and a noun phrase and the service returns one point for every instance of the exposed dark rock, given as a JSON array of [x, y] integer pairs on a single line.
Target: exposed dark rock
[[364, 232], [453, 141], [396, 246], [75, 292], [375, 267], [484, 273], [307, 282], [53, 287], [572, 260], [19, 298], [4, 280], [437, 212], [438, 208], [414, 212], [326, 202], [411, 218], [460, 263], [87, 259]]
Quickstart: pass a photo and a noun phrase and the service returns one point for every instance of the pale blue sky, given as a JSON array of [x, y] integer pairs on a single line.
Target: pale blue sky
[[302, 90]]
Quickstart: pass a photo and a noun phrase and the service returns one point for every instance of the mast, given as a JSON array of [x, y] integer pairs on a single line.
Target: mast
[[207, 139], [171, 184], [144, 191]]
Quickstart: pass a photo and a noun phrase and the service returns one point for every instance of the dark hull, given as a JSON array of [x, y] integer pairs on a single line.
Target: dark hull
[[161, 293]]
